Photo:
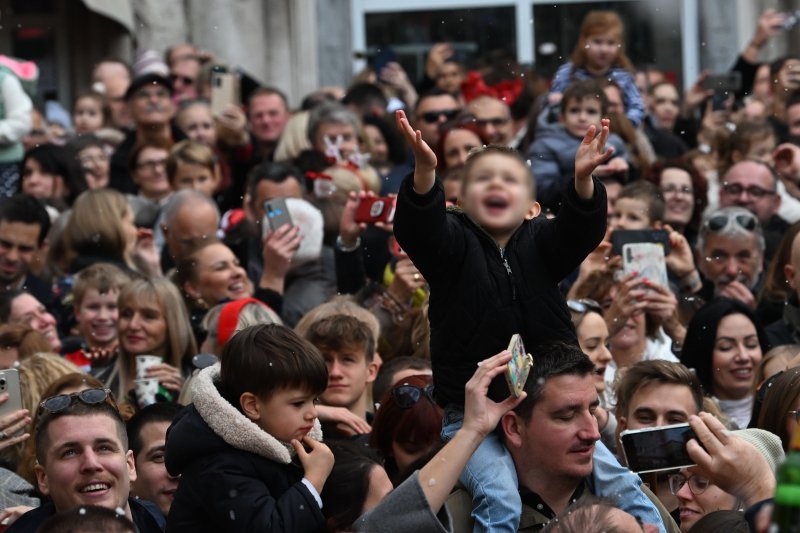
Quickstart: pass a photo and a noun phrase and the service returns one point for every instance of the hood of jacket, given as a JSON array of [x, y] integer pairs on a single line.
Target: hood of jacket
[[212, 425]]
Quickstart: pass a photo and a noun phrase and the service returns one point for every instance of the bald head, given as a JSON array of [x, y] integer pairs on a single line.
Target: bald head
[[189, 216], [494, 118]]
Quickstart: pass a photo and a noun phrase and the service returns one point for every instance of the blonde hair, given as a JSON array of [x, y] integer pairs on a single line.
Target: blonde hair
[[180, 342], [294, 138], [190, 153], [338, 305], [349, 179], [95, 226]]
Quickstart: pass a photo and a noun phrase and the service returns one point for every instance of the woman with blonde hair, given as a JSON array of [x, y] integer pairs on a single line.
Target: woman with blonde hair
[[101, 229], [294, 138], [152, 321]]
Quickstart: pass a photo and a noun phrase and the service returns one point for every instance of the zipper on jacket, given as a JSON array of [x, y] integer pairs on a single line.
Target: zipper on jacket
[[510, 274]]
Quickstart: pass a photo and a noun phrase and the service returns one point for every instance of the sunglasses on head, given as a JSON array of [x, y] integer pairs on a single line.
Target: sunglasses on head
[[584, 305], [406, 396], [746, 221], [60, 402], [433, 116]]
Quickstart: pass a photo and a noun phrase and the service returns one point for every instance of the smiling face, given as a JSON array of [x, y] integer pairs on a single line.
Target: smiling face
[[693, 506], [26, 309], [153, 482], [97, 317], [593, 340], [86, 463], [497, 194], [676, 188], [142, 328], [151, 106], [150, 174], [735, 356], [287, 414], [219, 276]]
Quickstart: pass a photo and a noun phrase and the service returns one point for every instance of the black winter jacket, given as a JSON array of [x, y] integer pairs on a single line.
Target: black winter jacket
[[482, 295], [234, 476]]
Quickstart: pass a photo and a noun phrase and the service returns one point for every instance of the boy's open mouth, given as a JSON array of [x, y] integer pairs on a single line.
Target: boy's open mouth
[[495, 203]]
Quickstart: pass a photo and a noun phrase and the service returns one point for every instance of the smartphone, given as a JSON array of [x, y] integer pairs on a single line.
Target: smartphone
[[385, 56], [224, 91], [622, 237], [518, 367], [9, 382], [371, 210], [276, 213], [727, 82], [657, 449], [647, 260]]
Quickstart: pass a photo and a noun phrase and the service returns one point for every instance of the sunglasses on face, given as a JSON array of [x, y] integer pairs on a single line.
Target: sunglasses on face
[[432, 117], [719, 222], [584, 305], [55, 404], [697, 484], [406, 396]]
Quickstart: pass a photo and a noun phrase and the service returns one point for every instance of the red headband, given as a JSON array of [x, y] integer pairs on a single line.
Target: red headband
[[229, 317]]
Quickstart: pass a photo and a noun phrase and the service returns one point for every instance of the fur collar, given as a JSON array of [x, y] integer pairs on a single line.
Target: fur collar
[[235, 428]]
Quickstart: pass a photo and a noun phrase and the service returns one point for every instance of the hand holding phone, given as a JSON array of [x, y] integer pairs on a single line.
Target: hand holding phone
[[276, 213], [518, 367], [647, 260]]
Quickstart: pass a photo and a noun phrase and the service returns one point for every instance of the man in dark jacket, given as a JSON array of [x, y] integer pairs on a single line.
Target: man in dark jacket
[[83, 459]]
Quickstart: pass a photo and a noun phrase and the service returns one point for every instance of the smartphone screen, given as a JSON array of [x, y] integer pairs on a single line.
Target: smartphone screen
[[657, 449], [276, 213]]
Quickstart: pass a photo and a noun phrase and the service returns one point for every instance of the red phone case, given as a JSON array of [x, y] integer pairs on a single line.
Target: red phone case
[[372, 210]]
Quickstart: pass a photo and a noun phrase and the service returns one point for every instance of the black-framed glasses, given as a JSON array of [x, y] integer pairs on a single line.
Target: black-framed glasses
[[753, 191], [407, 396], [697, 484], [747, 221], [152, 165], [55, 404], [584, 305], [433, 116]]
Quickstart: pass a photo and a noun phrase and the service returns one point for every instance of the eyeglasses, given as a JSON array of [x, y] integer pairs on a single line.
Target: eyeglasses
[[93, 159], [747, 221], [151, 165], [406, 396], [584, 305], [432, 117], [674, 189], [55, 404], [697, 484], [496, 122], [754, 191]]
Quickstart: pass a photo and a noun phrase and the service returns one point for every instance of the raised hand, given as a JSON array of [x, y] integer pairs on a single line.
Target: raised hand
[[590, 154], [424, 156], [480, 413]]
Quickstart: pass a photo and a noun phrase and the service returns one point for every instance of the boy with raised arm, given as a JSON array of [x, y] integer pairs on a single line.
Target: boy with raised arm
[[493, 266]]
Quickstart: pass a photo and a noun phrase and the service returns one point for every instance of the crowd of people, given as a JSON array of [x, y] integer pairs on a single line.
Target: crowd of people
[[190, 357]]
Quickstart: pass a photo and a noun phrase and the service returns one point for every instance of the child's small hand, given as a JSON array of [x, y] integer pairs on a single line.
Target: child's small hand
[[424, 156], [317, 463], [591, 153]]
